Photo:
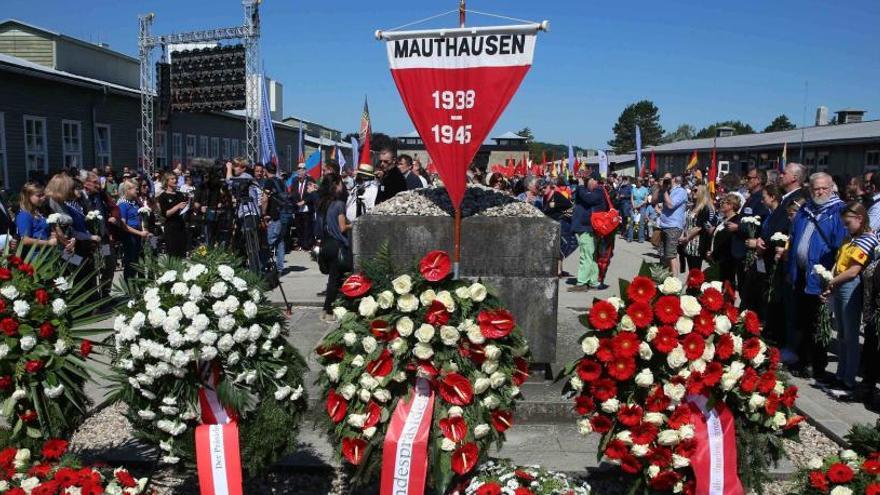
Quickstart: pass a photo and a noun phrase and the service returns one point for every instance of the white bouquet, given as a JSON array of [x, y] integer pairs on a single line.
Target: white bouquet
[[824, 326]]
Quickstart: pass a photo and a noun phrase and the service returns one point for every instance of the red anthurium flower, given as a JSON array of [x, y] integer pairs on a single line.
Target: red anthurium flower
[[666, 339], [668, 309], [751, 348], [336, 406], [383, 331], [603, 389], [331, 353], [712, 299], [693, 345], [793, 421], [85, 348], [437, 314], [724, 347], [125, 478], [520, 371], [356, 286], [456, 389], [641, 314], [474, 352], [625, 344], [489, 488], [496, 324], [616, 449], [584, 405], [622, 368], [465, 458], [9, 326], [382, 365], [435, 266], [695, 278], [502, 420], [589, 370], [840, 473], [33, 366], [600, 423], [5, 274], [54, 448], [751, 322], [642, 289], [41, 296], [5, 382], [454, 429], [353, 450], [374, 414], [629, 415], [425, 368], [629, 464], [46, 331], [603, 315]]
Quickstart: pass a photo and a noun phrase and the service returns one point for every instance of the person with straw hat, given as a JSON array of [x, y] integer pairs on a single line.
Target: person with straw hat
[[362, 197]]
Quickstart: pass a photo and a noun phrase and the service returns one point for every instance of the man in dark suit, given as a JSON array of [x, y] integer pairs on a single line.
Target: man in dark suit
[[392, 180], [298, 191], [405, 165], [588, 198]]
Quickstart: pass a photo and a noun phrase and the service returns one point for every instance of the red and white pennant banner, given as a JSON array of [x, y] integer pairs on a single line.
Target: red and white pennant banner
[[455, 83], [218, 457], [405, 452], [714, 459]]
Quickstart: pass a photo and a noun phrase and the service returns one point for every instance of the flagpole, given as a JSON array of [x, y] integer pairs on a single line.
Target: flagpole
[[456, 225]]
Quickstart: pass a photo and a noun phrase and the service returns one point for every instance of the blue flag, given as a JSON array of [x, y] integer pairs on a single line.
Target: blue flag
[[267, 131], [638, 150]]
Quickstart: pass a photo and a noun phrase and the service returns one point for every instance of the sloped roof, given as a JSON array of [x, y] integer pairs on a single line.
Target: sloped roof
[[71, 39], [22, 65], [510, 135]]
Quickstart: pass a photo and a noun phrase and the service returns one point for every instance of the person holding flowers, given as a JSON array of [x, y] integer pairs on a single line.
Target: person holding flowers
[[773, 238], [33, 230], [129, 209], [725, 238], [845, 291]]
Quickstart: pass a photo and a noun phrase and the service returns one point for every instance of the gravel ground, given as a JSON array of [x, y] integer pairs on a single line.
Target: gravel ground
[[478, 200]]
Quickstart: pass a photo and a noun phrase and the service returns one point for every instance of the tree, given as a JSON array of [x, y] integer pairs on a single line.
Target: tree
[[738, 128], [780, 123], [526, 133], [644, 114], [684, 131]]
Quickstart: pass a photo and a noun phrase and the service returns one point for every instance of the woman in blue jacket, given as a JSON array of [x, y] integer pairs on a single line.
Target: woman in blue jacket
[[33, 230]]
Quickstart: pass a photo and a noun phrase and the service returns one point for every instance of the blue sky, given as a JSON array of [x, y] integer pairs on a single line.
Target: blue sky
[[698, 61]]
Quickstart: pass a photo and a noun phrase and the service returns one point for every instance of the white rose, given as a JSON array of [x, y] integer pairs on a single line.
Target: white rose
[[698, 365], [18, 395], [841, 490], [492, 352], [481, 430], [61, 284], [382, 395], [398, 346], [455, 412], [644, 378], [576, 383], [446, 299], [655, 418], [332, 372], [684, 325], [690, 306], [722, 324], [491, 402], [423, 351], [402, 284], [489, 367], [737, 344], [357, 420], [249, 309], [626, 324], [497, 379], [425, 333], [756, 401], [27, 342], [9, 292], [407, 303], [478, 292], [674, 391], [349, 338], [368, 382], [668, 437], [367, 307], [447, 445], [475, 335], [611, 405], [226, 272], [717, 285], [364, 395], [590, 345], [54, 392], [848, 455], [179, 289], [639, 450], [779, 420], [679, 461], [240, 285], [225, 343], [708, 352], [218, 290], [369, 344], [653, 470], [404, 326], [339, 312], [59, 306], [686, 432], [676, 358], [616, 302], [584, 427], [348, 390], [449, 335], [462, 293], [4, 350], [650, 334], [282, 393], [645, 351], [427, 297], [671, 285], [815, 463], [196, 293], [21, 308], [369, 432], [22, 457], [208, 353], [625, 436], [385, 299]]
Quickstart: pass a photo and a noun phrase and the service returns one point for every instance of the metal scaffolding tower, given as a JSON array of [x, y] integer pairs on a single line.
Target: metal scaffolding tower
[[249, 33]]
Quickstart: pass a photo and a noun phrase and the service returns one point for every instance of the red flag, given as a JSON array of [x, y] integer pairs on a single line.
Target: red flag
[[653, 162]]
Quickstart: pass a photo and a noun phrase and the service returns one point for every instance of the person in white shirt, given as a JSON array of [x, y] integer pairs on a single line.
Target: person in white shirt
[[362, 197]]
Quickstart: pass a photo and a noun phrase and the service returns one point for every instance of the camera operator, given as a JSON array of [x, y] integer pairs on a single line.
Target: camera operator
[[278, 209], [245, 190], [362, 197]]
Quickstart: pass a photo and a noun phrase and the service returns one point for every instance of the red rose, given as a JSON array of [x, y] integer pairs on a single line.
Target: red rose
[[456, 389], [336, 406], [85, 348], [695, 278], [465, 458], [871, 466], [616, 449], [872, 489], [435, 266], [660, 456], [704, 323], [751, 322], [603, 389], [644, 433], [353, 450], [666, 339], [356, 286], [712, 300], [641, 289], [629, 415], [584, 405], [382, 365], [33, 366], [625, 344], [693, 345], [520, 372], [502, 420], [751, 348], [373, 415], [9, 326], [629, 464], [5, 382], [840, 473], [28, 416], [622, 368], [54, 448], [437, 314], [665, 481], [331, 354], [26, 268], [603, 316], [641, 314], [5, 274], [454, 429], [46, 331], [496, 324], [589, 370], [819, 481], [724, 347], [41, 296], [600, 423], [489, 488], [125, 478], [382, 330]]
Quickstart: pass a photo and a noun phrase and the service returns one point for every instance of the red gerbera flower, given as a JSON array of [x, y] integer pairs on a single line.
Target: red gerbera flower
[[644, 433], [668, 309], [871, 466], [496, 324], [454, 429], [336, 406], [629, 464], [523, 491], [680, 416], [584, 405], [693, 345], [771, 405], [751, 348], [26, 268], [751, 322], [523, 475], [435, 266], [625, 344], [695, 278], [749, 380], [66, 476], [125, 478], [40, 471], [660, 456], [456, 389], [724, 347], [704, 323], [840, 473], [789, 396], [85, 348], [686, 448], [603, 389], [629, 415], [666, 339], [604, 353], [382, 365], [767, 382], [502, 420], [729, 291], [657, 401], [437, 314], [589, 370], [641, 314], [600, 423], [54, 448], [465, 458], [356, 285], [665, 481], [353, 449], [603, 316], [732, 313], [383, 331], [41, 296], [373, 415], [819, 481], [489, 488], [520, 371], [793, 421], [616, 449], [872, 489], [712, 300], [622, 368], [641, 289], [712, 374]]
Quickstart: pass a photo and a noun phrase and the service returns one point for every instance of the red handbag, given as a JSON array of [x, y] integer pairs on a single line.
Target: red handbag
[[605, 222]]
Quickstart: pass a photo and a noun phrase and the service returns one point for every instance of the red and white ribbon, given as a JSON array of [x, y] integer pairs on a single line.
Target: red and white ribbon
[[405, 453], [218, 457], [714, 459], [213, 413]]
